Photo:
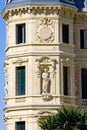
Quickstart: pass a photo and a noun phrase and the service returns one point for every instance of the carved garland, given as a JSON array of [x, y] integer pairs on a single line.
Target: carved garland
[[45, 32]]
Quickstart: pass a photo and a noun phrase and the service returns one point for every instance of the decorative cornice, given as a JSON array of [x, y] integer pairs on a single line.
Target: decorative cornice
[[80, 17], [46, 10]]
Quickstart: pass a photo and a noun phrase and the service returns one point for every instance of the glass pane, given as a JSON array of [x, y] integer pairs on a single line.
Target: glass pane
[[85, 39], [23, 33]]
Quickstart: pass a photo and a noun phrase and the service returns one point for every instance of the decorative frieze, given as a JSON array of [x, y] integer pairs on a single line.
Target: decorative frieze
[[77, 80], [20, 61], [46, 10], [6, 66]]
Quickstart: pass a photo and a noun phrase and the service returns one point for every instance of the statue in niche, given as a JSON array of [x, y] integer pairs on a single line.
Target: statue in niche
[[45, 81]]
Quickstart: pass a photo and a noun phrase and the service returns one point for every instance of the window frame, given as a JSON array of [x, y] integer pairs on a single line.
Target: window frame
[[65, 30], [17, 93], [82, 85], [82, 38], [20, 37], [19, 122], [66, 81]]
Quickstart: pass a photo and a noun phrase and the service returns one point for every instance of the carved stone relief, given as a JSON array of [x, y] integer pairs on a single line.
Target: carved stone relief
[[66, 61], [45, 70], [45, 31], [77, 81], [6, 64], [20, 61]]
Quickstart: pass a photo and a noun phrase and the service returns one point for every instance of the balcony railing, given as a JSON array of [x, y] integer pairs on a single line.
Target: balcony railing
[[83, 102]]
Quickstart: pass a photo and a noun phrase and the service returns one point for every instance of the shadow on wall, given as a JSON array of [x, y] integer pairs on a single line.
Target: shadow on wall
[[81, 4]]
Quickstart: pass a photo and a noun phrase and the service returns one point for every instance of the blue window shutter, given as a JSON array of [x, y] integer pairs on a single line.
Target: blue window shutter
[[20, 80]]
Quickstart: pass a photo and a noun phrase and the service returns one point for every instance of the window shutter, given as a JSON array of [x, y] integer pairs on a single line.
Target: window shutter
[[20, 125], [65, 33], [84, 82], [82, 38], [23, 34], [17, 34], [20, 33], [65, 80], [20, 80]]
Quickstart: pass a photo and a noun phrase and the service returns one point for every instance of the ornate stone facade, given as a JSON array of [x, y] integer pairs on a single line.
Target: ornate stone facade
[[44, 56]]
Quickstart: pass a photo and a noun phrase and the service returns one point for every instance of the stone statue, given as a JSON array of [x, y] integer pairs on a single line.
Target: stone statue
[[46, 81]]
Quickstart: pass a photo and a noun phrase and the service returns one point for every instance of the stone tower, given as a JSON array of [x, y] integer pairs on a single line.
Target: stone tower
[[44, 57]]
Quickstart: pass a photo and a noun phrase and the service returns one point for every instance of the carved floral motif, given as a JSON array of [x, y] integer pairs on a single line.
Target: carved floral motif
[[45, 32]]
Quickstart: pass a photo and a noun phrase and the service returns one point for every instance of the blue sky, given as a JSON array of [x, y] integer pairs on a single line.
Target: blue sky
[[2, 56]]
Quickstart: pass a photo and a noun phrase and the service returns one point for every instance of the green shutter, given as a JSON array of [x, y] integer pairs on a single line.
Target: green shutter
[[20, 125], [20, 80], [20, 33]]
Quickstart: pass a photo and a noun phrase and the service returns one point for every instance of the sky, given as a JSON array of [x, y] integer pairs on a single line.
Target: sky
[[2, 56]]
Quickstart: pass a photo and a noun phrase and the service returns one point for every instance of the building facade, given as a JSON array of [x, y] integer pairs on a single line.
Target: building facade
[[46, 59]]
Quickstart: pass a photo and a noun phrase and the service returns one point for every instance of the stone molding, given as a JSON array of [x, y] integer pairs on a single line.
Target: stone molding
[[46, 10], [20, 61]]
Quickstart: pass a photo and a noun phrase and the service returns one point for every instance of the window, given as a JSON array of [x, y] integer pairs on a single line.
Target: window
[[20, 125], [66, 80], [20, 33], [65, 33], [20, 80], [83, 39], [84, 82]]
